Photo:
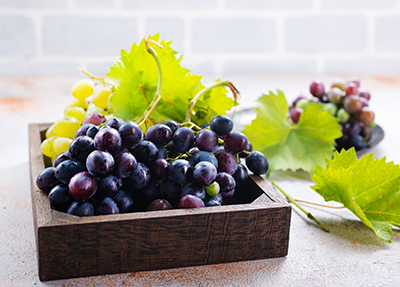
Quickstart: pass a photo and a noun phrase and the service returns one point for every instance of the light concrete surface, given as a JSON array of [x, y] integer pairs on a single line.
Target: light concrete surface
[[350, 255]]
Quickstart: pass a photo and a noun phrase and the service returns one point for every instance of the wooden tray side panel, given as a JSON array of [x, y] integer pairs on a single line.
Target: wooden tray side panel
[[69, 251]]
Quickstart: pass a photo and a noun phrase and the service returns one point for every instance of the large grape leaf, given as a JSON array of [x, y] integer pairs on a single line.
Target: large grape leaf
[[369, 188], [290, 146], [135, 78]]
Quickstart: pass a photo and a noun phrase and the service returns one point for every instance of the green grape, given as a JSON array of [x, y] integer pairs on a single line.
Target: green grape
[[110, 106], [61, 144], [77, 103], [100, 97], [94, 109], [82, 89], [66, 127], [303, 103], [339, 83], [48, 148], [50, 132], [343, 116], [76, 112], [330, 107], [212, 189]]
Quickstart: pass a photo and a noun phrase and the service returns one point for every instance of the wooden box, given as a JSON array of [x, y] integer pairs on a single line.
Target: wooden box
[[254, 226]]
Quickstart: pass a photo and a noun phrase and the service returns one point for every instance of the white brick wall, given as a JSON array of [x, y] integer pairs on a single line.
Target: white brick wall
[[217, 37]]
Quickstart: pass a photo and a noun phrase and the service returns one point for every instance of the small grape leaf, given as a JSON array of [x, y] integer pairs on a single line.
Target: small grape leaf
[[290, 146], [369, 188], [135, 78]]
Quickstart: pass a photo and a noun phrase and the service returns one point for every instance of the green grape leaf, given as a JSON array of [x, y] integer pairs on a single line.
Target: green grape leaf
[[290, 146], [369, 187], [135, 78]]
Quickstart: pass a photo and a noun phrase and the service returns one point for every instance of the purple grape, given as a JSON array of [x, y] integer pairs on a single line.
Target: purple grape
[[206, 140], [124, 202], [100, 163], [180, 171], [364, 94], [81, 208], [226, 183], [190, 201], [59, 197], [297, 99], [317, 89], [124, 163], [95, 118], [235, 142], [60, 158], [131, 134], [257, 163], [146, 152], [221, 125], [159, 169], [241, 175], [67, 169], [204, 156], [83, 130], [172, 125], [108, 139], [140, 176], [80, 148], [204, 173], [352, 128], [82, 186], [108, 186], [159, 134], [248, 149], [46, 179], [159, 204], [212, 202], [193, 151], [183, 139], [115, 123], [295, 114], [92, 131], [195, 189], [106, 206], [227, 162], [171, 191]]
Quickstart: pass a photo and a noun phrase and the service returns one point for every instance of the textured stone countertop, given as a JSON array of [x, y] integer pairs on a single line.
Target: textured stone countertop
[[350, 255]]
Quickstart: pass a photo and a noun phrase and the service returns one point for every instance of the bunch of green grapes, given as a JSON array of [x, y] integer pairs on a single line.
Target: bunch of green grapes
[[90, 105]]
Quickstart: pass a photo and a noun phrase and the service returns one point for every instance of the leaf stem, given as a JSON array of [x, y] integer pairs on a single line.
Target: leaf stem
[[142, 119], [309, 215], [318, 204], [205, 90], [102, 80]]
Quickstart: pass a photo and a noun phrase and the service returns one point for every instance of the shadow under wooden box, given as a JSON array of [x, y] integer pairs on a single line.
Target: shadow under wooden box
[[254, 225]]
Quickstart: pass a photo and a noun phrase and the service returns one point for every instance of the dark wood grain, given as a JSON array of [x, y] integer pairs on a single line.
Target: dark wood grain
[[255, 226]]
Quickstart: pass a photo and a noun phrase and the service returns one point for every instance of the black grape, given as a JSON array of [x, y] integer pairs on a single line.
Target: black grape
[[227, 162], [83, 130], [257, 162], [159, 204], [206, 140], [204, 156], [221, 125], [146, 152], [131, 134], [60, 158], [194, 189], [226, 183], [108, 186], [81, 208], [92, 131], [183, 139], [140, 176], [108, 139], [115, 123], [80, 148], [124, 202], [124, 163], [60, 198], [235, 142], [159, 134], [180, 171], [100, 163], [67, 169], [106, 206], [159, 169], [46, 179], [171, 191], [204, 173], [241, 175], [172, 125]]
